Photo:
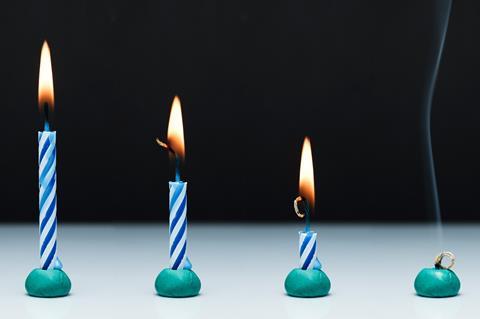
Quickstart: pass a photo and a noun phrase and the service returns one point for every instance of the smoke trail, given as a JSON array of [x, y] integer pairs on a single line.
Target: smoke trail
[[443, 8]]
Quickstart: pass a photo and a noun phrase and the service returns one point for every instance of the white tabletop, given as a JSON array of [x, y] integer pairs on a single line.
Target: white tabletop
[[242, 268]]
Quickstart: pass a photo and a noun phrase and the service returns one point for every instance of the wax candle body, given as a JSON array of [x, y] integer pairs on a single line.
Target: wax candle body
[[178, 226], [48, 200], [308, 250]]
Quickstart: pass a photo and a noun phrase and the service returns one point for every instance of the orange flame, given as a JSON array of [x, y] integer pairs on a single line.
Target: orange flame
[[307, 181], [45, 78], [175, 129]]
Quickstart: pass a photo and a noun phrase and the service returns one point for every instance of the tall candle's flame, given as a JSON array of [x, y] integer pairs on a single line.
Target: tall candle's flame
[[45, 78], [175, 129], [306, 183]]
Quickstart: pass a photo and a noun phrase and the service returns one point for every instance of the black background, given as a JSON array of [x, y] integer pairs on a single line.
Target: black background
[[254, 78]]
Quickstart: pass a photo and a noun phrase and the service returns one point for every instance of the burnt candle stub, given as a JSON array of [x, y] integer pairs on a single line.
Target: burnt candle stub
[[308, 280], [439, 281]]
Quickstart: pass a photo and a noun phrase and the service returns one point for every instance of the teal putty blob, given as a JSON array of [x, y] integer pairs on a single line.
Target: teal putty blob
[[177, 283], [48, 283], [307, 283], [439, 281]]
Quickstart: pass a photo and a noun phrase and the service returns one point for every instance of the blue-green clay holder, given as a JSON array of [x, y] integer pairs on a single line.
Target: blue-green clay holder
[[49, 283], [438, 282], [309, 283], [180, 283]]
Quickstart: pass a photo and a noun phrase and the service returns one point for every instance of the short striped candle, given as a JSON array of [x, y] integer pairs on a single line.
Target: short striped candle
[[178, 226], [48, 199], [308, 250]]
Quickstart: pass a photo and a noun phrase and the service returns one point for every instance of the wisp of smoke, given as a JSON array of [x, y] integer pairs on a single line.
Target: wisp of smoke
[[441, 16]]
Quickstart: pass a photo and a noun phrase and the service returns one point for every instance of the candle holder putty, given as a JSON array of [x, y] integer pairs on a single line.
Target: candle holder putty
[[177, 283], [308, 283], [439, 281], [48, 283]]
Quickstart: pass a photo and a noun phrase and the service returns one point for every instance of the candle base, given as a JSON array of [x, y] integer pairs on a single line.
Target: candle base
[[178, 283], [437, 283], [48, 283], [307, 283]]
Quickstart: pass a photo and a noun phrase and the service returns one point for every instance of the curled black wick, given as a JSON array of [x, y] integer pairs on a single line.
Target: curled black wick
[[165, 146], [177, 159], [301, 213]]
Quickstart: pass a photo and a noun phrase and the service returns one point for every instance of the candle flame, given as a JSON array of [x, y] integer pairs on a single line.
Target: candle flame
[[306, 182], [45, 78], [175, 129]]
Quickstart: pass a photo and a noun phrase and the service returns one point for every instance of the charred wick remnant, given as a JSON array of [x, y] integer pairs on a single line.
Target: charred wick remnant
[[441, 18]]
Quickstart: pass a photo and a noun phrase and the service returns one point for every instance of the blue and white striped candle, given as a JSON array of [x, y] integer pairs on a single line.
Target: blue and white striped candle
[[48, 200], [178, 226], [308, 250]]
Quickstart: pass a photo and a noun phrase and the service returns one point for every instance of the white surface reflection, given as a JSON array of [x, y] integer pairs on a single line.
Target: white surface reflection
[[113, 269], [47, 308], [302, 308], [437, 308], [178, 308]]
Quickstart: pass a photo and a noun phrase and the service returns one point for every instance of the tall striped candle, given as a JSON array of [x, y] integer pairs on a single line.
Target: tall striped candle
[[179, 280], [48, 199], [47, 168], [49, 280], [178, 191], [178, 226]]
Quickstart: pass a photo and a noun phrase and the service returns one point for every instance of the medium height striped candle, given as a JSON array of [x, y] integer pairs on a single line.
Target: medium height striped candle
[[178, 226], [48, 200], [308, 250]]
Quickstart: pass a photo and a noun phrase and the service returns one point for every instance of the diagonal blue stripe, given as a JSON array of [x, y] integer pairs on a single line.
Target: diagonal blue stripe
[[180, 257], [309, 257], [178, 237], [305, 242], [178, 214], [175, 195], [50, 257], [49, 213], [48, 237], [44, 149], [51, 160], [48, 190]]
